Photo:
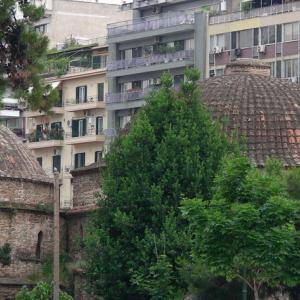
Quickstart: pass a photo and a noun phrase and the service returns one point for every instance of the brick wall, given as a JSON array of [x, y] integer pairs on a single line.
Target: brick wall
[[25, 192], [85, 185]]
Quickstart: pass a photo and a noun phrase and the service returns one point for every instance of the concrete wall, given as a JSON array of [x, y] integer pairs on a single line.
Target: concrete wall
[[81, 19]]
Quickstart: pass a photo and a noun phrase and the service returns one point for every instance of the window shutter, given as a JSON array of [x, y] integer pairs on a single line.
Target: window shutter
[[100, 91], [85, 93], [74, 128], [82, 159], [77, 94], [84, 126], [76, 161]]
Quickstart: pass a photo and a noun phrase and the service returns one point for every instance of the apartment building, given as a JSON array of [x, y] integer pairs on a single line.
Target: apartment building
[[163, 35], [172, 35], [270, 33], [72, 134], [80, 19], [11, 114]]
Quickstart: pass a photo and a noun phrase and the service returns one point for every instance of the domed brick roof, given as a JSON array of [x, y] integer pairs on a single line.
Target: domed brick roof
[[264, 110], [16, 160]]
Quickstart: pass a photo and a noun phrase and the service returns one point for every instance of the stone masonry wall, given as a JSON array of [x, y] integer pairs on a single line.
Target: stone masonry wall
[[21, 231], [85, 185], [25, 192]]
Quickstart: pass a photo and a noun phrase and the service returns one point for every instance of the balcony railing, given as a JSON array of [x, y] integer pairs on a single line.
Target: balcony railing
[[257, 12], [151, 60], [149, 24], [90, 99], [46, 135], [128, 96], [88, 132]]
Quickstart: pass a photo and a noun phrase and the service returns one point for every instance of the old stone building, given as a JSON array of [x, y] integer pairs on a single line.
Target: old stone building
[[26, 222], [263, 112]]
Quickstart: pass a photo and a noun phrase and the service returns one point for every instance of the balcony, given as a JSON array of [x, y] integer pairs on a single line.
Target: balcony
[[149, 24], [54, 110], [127, 96], [45, 139], [90, 136], [92, 102], [256, 12], [174, 60]]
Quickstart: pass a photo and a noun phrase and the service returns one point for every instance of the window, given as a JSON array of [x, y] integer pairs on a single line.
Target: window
[[56, 125], [40, 160], [179, 45], [178, 79], [79, 160], [41, 28], [278, 69], [136, 85], [190, 44], [279, 33], [56, 163], [234, 40], [99, 61], [38, 250], [98, 156], [78, 127], [99, 125], [290, 32], [100, 91], [137, 52], [256, 36], [81, 94], [290, 68], [267, 35], [123, 120], [246, 38], [217, 41]]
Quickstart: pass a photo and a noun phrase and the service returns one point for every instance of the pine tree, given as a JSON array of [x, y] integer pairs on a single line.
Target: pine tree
[[138, 240], [22, 52]]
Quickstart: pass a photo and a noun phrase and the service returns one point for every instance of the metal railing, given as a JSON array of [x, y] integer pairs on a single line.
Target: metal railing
[[151, 60], [128, 96], [88, 132], [256, 12], [153, 23], [45, 135], [90, 99]]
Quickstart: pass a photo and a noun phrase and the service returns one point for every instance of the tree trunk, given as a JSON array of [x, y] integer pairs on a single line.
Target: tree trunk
[[255, 291]]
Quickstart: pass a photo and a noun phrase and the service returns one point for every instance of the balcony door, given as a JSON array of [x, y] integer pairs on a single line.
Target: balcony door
[[99, 125], [78, 127], [56, 162], [81, 94]]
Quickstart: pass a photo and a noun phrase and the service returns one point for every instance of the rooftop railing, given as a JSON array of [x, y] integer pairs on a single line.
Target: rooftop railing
[[151, 60], [149, 24], [256, 12]]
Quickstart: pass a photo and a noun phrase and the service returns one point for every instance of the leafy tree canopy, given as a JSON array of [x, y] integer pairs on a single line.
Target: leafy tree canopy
[[249, 229], [138, 240], [42, 291], [22, 52]]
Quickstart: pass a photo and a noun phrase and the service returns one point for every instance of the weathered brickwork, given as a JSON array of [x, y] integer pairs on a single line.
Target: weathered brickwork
[[21, 230], [25, 192], [85, 185]]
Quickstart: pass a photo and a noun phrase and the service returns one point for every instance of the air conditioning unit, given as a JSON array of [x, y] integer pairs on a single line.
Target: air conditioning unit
[[294, 79], [218, 50], [261, 48]]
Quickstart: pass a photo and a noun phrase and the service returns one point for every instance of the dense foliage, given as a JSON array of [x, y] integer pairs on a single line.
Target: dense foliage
[[5, 254], [22, 53], [249, 229], [139, 244], [42, 291]]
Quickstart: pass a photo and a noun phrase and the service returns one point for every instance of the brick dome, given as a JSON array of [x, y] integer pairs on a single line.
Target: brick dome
[[16, 160], [264, 110]]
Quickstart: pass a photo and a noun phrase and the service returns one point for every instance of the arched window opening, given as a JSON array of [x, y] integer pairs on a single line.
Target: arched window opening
[[39, 245]]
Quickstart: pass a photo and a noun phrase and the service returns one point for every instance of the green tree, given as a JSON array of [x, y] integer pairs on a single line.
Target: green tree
[[248, 230], [22, 52], [42, 291], [138, 240]]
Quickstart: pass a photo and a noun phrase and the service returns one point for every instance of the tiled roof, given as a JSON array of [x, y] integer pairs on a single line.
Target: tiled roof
[[266, 111], [16, 160]]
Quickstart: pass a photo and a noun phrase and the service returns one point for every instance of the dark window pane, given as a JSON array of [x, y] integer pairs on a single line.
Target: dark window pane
[[279, 33], [233, 40], [256, 36], [40, 160], [56, 162], [264, 35], [271, 34], [100, 91]]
